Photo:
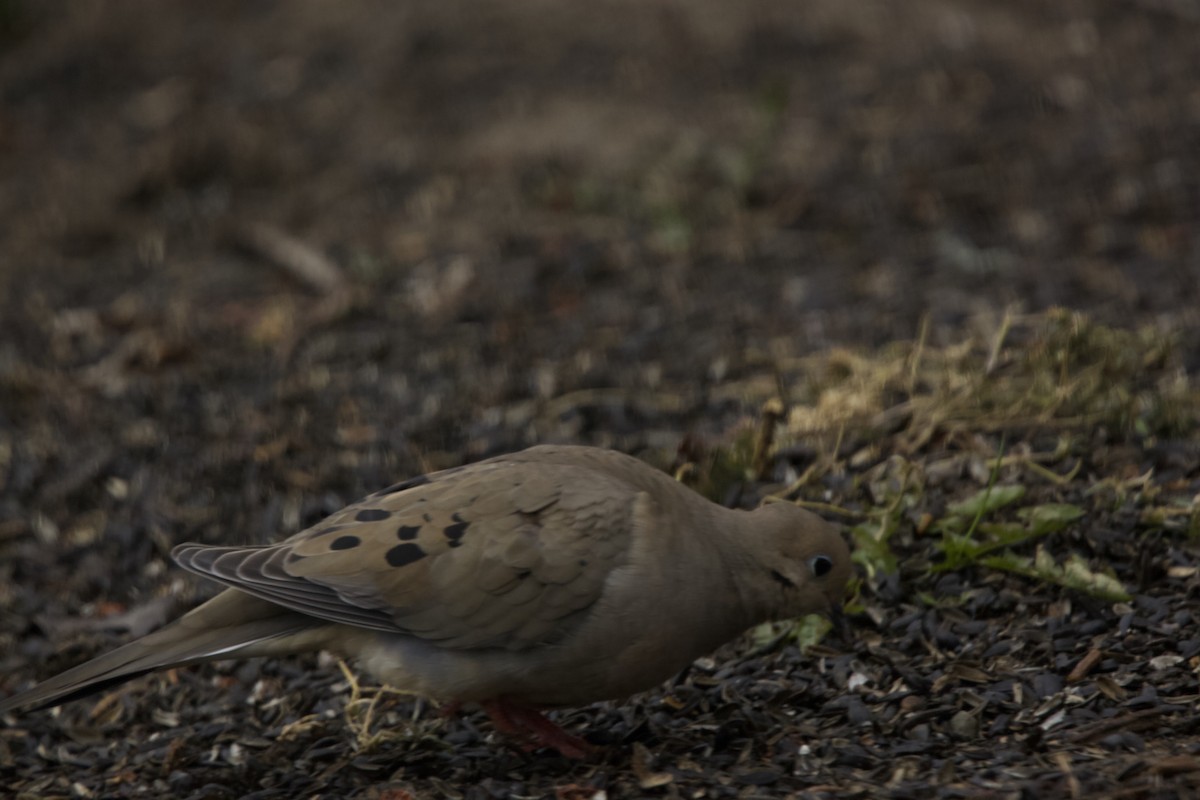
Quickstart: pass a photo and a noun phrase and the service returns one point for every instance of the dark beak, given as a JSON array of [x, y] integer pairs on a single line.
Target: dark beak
[[838, 618]]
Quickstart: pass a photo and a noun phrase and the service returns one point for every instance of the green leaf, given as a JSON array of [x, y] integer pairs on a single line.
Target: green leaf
[[959, 551], [987, 500], [1004, 533], [871, 546], [1074, 574], [1049, 517], [1077, 575], [803, 632], [1010, 562], [944, 601]]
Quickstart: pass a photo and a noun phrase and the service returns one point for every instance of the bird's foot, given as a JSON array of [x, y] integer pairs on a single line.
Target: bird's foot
[[526, 724]]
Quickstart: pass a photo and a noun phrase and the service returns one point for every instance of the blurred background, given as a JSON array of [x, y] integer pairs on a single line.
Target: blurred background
[[681, 173], [519, 200], [259, 258]]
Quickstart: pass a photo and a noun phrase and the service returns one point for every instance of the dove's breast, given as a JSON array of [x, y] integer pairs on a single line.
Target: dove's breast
[[629, 641]]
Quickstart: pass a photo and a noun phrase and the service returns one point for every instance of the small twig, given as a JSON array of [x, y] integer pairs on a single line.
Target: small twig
[[1064, 763], [918, 353], [1050, 475], [364, 739], [998, 342], [828, 508], [1134, 721], [772, 411], [300, 260], [1085, 665]]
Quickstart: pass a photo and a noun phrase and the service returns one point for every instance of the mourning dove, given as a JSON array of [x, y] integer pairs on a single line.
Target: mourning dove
[[556, 576]]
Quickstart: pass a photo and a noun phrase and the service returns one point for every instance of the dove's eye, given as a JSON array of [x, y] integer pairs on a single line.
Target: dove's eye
[[820, 565]]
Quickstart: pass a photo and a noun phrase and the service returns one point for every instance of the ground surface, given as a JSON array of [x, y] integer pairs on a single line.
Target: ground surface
[[618, 223]]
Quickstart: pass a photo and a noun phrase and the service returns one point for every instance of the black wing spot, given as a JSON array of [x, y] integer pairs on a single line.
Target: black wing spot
[[407, 533], [372, 515], [783, 579], [345, 543], [455, 532], [404, 554]]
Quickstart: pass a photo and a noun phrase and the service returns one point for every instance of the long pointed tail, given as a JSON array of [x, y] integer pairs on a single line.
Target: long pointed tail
[[231, 625]]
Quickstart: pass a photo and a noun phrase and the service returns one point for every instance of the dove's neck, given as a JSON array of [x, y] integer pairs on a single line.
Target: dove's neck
[[746, 568]]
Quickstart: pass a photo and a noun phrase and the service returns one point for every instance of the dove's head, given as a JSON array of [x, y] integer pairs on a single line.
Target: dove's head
[[805, 558]]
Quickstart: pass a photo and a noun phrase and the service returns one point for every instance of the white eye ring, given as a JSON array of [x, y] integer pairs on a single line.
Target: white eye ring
[[820, 565]]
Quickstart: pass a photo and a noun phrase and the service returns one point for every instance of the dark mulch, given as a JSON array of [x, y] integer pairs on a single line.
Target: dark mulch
[[607, 224]]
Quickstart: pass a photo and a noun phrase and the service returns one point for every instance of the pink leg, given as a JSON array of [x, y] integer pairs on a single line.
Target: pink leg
[[524, 722]]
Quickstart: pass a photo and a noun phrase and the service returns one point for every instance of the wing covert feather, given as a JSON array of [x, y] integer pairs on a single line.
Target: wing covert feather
[[497, 554]]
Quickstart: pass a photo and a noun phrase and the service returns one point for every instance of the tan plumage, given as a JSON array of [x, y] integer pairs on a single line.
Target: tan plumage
[[552, 577]]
